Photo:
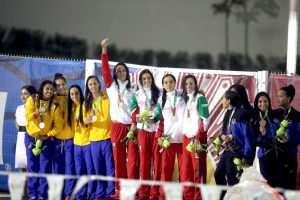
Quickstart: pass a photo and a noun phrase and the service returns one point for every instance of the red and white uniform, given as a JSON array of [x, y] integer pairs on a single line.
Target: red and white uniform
[[120, 101], [171, 124], [148, 147], [196, 120]]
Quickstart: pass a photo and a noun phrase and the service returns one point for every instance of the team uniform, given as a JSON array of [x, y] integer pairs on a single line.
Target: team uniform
[[20, 159], [82, 152], [63, 154], [241, 146], [148, 147], [195, 126], [40, 126], [286, 173], [120, 101], [268, 151], [170, 125], [101, 147]]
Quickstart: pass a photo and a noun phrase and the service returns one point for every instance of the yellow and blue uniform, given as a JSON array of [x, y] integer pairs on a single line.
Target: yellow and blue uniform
[[42, 163], [101, 147], [82, 151], [63, 161]]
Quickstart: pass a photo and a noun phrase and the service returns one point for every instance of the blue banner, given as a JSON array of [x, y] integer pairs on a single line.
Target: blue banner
[[15, 72]]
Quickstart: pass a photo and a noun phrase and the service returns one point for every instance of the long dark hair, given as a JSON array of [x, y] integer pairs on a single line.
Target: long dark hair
[[256, 109], [289, 91], [40, 95], [70, 103], [31, 89], [154, 88], [184, 93], [164, 96], [233, 97], [128, 86], [243, 96], [88, 95]]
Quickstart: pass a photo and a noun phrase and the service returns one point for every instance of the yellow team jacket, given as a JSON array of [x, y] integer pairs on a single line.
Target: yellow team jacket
[[52, 118], [100, 129], [82, 131], [67, 132]]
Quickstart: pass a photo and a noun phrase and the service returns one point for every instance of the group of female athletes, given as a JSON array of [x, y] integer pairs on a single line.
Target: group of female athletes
[[131, 131]]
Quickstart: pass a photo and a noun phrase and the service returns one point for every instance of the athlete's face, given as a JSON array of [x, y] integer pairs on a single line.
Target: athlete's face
[[225, 103], [121, 73], [61, 87], [169, 84], [190, 85], [146, 80], [282, 98], [48, 91], [75, 95], [94, 86], [24, 95], [263, 103]]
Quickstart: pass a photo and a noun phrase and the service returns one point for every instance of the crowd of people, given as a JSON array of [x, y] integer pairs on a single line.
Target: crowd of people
[[137, 131]]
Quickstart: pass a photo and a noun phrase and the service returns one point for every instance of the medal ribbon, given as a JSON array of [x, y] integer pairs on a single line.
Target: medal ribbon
[[265, 115], [43, 116], [64, 107], [229, 122], [96, 105], [189, 107], [148, 99], [286, 116], [76, 117], [173, 107], [121, 93]]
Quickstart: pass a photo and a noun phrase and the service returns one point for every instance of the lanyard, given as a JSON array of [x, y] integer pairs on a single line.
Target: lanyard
[[76, 117], [121, 92], [230, 118], [147, 98], [173, 107], [189, 106], [286, 116], [265, 115], [96, 107], [43, 116]]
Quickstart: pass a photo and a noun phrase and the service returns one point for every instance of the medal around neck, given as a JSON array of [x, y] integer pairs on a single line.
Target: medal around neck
[[42, 125]]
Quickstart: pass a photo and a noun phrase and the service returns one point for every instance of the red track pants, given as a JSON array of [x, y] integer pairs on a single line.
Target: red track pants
[[167, 164], [193, 170], [149, 151], [118, 132]]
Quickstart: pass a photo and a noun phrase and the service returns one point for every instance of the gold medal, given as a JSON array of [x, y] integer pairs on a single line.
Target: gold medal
[[94, 118], [174, 118], [42, 125], [121, 105]]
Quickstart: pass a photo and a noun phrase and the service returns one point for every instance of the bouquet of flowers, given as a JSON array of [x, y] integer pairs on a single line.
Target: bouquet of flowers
[[165, 142], [38, 146], [129, 137], [145, 116], [200, 148], [282, 132], [217, 142], [241, 165]]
